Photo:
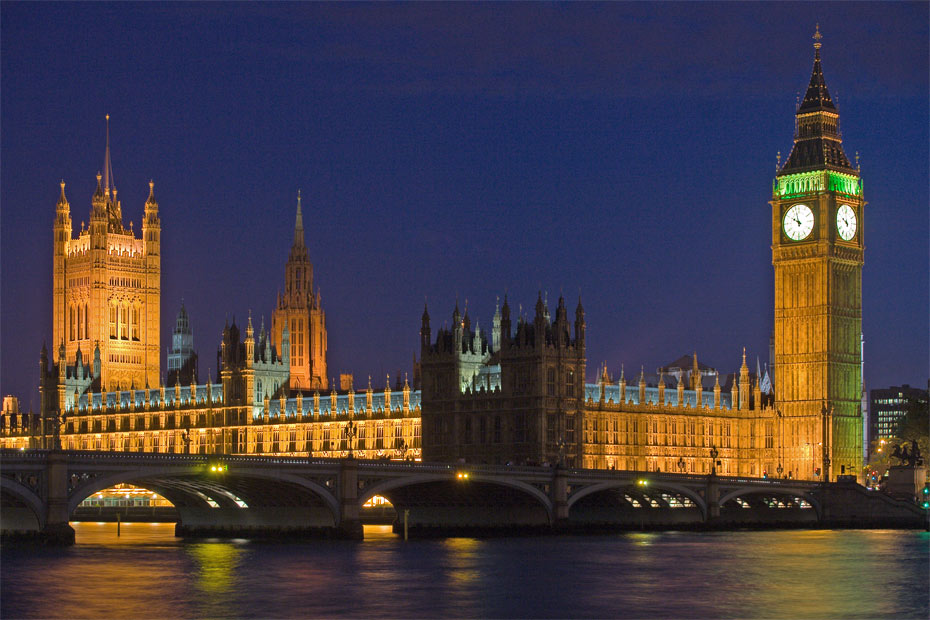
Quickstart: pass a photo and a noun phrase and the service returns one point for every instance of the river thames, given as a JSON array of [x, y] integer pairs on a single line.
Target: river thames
[[148, 573]]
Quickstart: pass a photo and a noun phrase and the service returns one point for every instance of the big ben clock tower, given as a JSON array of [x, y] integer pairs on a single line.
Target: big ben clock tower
[[817, 252]]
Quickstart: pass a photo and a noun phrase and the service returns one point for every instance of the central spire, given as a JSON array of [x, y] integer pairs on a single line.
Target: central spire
[[817, 140], [299, 225], [817, 96], [109, 183]]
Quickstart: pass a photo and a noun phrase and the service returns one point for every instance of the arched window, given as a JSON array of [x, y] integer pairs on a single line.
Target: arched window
[[123, 322], [135, 323], [86, 323], [70, 322]]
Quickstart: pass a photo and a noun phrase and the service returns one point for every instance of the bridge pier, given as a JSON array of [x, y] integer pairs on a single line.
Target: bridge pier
[[712, 497], [349, 525], [558, 494], [57, 529]]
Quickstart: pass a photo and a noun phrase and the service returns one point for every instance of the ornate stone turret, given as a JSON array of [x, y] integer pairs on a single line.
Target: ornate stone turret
[[425, 334], [698, 392], [695, 372], [744, 384], [579, 325], [661, 388], [681, 389], [249, 343], [642, 386], [505, 323], [717, 390], [734, 393], [622, 385], [496, 327]]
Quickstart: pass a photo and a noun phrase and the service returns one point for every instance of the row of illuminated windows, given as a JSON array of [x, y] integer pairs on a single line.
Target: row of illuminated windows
[[78, 322], [124, 322], [312, 439], [297, 342], [126, 282], [125, 359]]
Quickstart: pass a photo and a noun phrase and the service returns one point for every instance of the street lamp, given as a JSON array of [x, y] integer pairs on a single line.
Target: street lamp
[[350, 432], [58, 420], [681, 464], [714, 453], [561, 445]]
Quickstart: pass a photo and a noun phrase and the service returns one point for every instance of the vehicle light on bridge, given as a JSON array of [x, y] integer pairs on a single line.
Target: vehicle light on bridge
[[642, 482], [219, 468], [462, 475]]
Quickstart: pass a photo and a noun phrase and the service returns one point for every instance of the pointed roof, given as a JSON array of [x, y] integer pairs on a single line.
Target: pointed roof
[[817, 96], [299, 225], [107, 166], [62, 200], [817, 141]]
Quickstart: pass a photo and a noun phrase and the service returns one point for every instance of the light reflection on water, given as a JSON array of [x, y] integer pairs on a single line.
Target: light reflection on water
[[147, 573]]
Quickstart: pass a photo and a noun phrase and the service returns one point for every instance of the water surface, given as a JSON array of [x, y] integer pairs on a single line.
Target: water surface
[[147, 573]]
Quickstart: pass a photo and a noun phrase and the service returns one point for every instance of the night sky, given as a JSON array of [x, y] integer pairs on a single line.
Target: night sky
[[625, 151]]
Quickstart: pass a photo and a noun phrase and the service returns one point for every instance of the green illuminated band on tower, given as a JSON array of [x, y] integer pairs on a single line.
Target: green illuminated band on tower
[[817, 181]]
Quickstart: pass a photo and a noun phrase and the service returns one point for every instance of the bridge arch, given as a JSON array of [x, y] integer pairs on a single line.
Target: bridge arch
[[384, 487], [157, 476], [654, 485], [25, 495], [781, 491]]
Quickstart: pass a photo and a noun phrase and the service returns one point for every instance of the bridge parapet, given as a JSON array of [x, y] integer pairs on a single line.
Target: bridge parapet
[[302, 494]]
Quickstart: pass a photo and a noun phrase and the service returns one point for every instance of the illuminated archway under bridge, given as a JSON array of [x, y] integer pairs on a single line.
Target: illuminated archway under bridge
[[249, 495]]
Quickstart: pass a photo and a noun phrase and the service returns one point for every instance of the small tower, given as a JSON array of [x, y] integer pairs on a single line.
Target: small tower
[[425, 334], [579, 325], [182, 359], [744, 384]]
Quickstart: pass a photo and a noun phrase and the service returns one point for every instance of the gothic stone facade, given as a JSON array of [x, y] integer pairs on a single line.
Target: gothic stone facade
[[107, 286]]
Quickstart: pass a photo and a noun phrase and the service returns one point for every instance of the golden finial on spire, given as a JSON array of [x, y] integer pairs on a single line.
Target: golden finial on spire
[[817, 37]]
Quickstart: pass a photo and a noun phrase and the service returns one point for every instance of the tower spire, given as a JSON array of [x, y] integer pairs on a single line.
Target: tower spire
[[299, 224], [817, 139], [108, 181]]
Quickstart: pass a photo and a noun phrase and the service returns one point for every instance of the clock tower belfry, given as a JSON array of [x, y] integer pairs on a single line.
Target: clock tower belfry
[[818, 253]]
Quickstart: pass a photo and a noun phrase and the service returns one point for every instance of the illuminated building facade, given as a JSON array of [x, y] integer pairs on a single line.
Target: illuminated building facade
[[818, 253], [520, 397], [888, 406], [300, 312], [514, 394], [107, 286]]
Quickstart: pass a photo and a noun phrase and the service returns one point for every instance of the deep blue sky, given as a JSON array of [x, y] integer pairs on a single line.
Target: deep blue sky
[[443, 150]]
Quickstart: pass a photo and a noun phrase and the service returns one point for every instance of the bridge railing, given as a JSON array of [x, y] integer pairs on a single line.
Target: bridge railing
[[399, 466]]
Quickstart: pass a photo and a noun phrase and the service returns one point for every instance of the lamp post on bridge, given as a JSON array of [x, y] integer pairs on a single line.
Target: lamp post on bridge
[[350, 433], [781, 441], [714, 453], [58, 420], [681, 464]]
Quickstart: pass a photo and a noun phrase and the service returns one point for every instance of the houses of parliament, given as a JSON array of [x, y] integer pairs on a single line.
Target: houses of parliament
[[516, 393]]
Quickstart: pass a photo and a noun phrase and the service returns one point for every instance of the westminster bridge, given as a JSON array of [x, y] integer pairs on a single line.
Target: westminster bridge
[[248, 495]]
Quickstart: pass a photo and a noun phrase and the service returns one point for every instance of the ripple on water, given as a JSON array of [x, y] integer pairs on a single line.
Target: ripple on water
[[147, 573]]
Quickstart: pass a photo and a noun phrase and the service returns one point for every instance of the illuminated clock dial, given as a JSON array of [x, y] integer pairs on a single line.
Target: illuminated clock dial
[[798, 222], [846, 222]]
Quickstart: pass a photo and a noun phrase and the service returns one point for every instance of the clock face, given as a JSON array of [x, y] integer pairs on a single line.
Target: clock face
[[798, 222], [846, 222]]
